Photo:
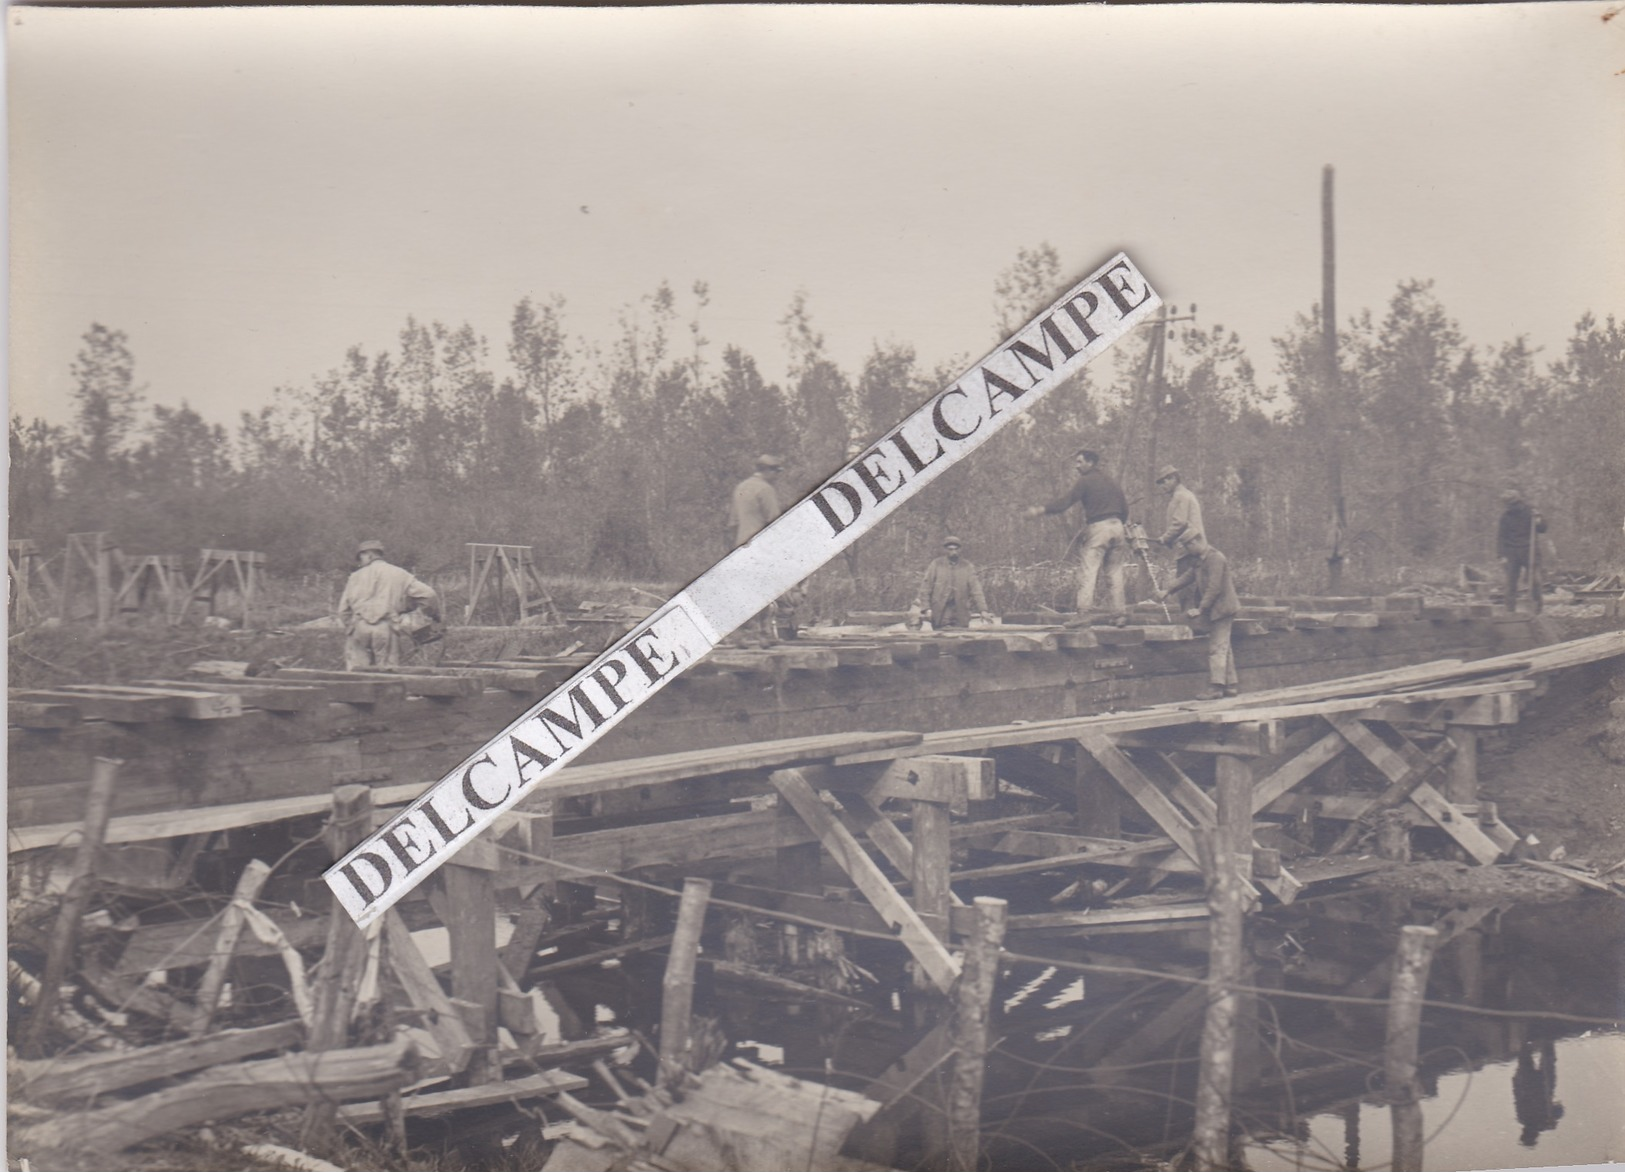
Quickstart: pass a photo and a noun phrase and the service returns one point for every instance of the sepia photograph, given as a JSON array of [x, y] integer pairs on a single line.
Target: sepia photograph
[[738, 588]]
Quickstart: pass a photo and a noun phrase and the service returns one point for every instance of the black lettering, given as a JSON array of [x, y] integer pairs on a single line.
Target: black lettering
[[995, 386], [610, 685], [518, 747], [446, 833], [402, 847], [579, 706], [379, 864], [1118, 293], [648, 658], [1050, 330], [824, 507], [472, 795], [943, 427], [914, 461], [873, 476], [1081, 320]]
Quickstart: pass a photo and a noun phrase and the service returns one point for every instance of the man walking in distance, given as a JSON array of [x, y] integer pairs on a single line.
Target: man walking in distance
[[1104, 542], [752, 508], [375, 598], [1515, 542], [1217, 606], [1183, 522], [950, 592]]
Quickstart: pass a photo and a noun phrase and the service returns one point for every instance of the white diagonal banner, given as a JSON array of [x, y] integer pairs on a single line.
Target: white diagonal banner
[[518, 761]]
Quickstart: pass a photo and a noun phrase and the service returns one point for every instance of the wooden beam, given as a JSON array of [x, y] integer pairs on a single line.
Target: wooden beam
[[472, 939], [423, 990], [1094, 917], [1139, 787], [677, 986], [1282, 779], [515, 1090], [1253, 738], [838, 840]]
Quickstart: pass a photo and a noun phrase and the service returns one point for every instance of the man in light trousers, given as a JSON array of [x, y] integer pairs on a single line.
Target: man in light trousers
[[1105, 544]]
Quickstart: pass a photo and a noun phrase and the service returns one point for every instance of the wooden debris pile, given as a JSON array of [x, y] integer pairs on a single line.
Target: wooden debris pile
[[735, 1117]]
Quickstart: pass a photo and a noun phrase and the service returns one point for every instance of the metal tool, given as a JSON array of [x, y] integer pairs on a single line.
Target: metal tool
[[1140, 542]]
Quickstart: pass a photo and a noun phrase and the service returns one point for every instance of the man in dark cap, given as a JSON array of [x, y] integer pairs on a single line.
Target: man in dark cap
[[951, 591], [376, 598], [1104, 542], [1515, 542]]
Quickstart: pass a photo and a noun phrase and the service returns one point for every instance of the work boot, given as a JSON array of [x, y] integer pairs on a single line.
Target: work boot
[[1232, 689], [1211, 692]]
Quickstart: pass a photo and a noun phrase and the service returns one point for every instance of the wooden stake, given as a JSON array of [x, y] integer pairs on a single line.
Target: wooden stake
[[81, 885], [472, 928], [972, 1031], [1233, 793], [343, 961], [1405, 994], [677, 987], [1216, 1075], [231, 926], [931, 863], [1461, 778]]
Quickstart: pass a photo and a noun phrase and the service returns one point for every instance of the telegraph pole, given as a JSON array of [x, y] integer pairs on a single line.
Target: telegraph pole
[[1332, 417]]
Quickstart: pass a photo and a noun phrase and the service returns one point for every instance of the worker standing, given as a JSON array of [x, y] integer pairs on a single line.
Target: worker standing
[[1515, 542], [1216, 607], [1105, 543], [951, 591], [1182, 523], [375, 598], [753, 507]]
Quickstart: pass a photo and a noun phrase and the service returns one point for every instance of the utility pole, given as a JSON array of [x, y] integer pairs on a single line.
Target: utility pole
[[1332, 416]]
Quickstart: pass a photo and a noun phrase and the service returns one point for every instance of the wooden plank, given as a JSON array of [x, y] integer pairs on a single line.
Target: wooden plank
[[349, 688], [418, 981], [431, 1103], [200, 705], [897, 912], [1251, 738], [117, 708], [472, 940], [41, 714], [63, 1081], [271, 697], [599, 956], [412, 685], [1139, 787], [1457, 825], [1092, 917]]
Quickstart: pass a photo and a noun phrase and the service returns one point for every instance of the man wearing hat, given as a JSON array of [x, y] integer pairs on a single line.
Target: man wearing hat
[[1183, 521], [1515, 542], [755, 503], [1216, 608], [951, 591], [375, 599]]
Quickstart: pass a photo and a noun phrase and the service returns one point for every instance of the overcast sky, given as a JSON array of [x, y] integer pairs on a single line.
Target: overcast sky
[[249, 192]]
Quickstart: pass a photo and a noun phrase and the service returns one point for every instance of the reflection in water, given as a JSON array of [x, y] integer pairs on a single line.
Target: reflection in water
[[1534, 1091]]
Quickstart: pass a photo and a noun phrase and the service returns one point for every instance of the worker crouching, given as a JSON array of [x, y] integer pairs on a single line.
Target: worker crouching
[[1216, 609]]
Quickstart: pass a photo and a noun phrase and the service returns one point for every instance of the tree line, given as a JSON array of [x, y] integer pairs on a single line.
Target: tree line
[[615, 457]]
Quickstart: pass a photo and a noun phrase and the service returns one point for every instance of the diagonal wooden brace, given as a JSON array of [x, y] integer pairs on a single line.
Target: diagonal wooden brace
[[932, 955]]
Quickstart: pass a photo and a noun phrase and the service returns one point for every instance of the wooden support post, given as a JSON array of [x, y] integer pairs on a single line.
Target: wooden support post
[[1216, 1074], [81, 885], [932, 861], [343, 961], [677, 987], [471, 897], [1099, 809], [972, 1032], [1461, 779], [231, 927], [1405, 993], [1233, 793]]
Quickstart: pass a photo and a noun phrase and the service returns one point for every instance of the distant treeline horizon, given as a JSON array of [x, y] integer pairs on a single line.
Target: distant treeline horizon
[[616, 456]]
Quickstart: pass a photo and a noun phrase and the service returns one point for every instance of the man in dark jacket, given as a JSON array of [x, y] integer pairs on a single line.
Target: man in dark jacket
[[1515, 542], [1104, 542], [951, 591], [1217, 606]]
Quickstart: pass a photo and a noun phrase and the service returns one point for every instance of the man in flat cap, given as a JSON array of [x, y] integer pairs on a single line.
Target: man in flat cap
[[951, 591], [376, 598], [1183, 522], [1515, 542], [755, 502], [752, 508]]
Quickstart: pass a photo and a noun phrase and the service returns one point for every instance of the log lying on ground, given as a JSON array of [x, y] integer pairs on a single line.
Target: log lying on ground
[[56, 1082], [226, 1092]]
